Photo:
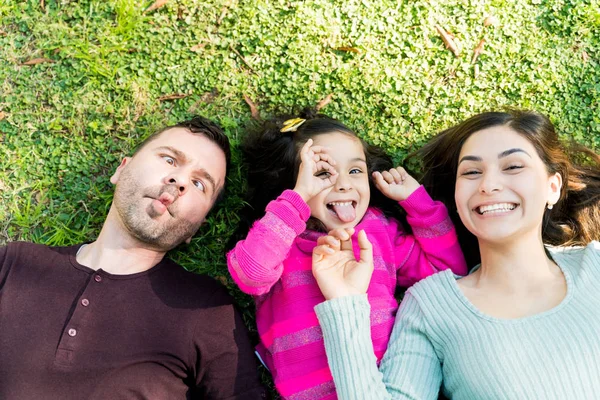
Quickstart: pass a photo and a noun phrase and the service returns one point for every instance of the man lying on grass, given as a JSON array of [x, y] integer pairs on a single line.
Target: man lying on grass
[[114, 319]]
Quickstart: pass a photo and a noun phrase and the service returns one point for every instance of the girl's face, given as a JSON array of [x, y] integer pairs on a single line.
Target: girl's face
[[502, 186], [344, 204]]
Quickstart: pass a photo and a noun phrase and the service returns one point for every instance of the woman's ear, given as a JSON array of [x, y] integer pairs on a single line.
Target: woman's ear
[[555, 183]]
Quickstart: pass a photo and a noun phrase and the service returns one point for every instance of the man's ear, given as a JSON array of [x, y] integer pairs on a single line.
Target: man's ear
[[115, 178], [188, 240], [555, 184]]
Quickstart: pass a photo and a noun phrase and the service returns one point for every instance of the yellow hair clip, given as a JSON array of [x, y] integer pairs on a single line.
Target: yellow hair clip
[[291, 125]]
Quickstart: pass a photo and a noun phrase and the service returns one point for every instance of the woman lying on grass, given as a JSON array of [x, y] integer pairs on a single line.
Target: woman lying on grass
[[524, 324]]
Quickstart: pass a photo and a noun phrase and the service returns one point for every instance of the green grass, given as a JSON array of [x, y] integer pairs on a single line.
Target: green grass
[[66, 123]]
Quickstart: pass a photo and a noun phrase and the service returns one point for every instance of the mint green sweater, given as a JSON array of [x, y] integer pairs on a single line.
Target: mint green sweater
[[440, 338]]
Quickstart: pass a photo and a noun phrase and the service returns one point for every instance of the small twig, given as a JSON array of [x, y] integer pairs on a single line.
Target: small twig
[[173, 96], [324, 102], [242, 58], [448, 41], [253, 109]]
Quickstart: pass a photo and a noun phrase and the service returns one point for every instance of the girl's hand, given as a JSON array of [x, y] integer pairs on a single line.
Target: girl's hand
[[396, 183], [316, 171], [334, 267]]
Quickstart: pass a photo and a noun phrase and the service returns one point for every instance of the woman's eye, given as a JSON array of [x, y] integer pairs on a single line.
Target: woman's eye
[[514, 167], [470, 172], [169, 160], [199, 185]]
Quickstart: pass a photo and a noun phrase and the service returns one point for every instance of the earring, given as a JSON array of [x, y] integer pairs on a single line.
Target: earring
[[549, 206]]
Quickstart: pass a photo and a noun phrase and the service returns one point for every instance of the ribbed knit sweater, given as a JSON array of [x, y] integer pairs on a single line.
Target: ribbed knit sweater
[[274, 264], [440, 337]]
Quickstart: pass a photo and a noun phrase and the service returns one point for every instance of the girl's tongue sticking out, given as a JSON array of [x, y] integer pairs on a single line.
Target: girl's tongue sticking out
[[344, 210]]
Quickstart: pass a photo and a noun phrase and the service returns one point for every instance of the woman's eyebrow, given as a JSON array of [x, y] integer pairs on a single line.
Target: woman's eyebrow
[[470, 158], [508, 152]]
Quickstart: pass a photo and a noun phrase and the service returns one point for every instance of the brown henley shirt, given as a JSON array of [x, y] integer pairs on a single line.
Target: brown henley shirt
[[69, 332]]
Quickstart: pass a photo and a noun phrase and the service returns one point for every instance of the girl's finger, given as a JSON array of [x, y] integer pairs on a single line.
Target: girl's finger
[[341, 233], [323, 250], [397, 177], [305, 149], [366, 248], [330, 241], [387, 177]]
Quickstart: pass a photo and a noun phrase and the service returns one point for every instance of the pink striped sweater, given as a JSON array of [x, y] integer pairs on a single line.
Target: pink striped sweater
[[274, 264]]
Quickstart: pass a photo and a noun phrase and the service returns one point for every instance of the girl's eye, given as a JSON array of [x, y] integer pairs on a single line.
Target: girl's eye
[[356, 171], [169, 160], [199, 185], [323, 174]]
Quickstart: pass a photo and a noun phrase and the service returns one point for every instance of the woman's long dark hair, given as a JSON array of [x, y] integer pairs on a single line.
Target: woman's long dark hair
[[272, 160], [574, 219]]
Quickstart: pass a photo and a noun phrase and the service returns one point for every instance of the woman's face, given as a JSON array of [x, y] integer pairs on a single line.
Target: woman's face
[[502, 186]]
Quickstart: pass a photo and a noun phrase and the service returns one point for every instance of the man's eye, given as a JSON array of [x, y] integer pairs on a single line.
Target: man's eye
[[169, 160], [199, 185]]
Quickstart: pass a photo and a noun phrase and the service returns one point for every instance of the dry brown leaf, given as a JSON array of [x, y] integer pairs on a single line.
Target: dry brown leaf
[[173, 96], [2, 115], [3, 33], [491, 20], [198, 48], [156, 5], [36, 61], [585, 56], [348, 49], [43, 5], [448, 41], [477, 51], [324, 101], [253, 109]]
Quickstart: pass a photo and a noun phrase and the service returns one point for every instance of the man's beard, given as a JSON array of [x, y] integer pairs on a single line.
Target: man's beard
[[140, 222]]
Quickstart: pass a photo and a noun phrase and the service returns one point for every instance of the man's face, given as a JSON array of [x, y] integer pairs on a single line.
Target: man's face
[[165, 190]]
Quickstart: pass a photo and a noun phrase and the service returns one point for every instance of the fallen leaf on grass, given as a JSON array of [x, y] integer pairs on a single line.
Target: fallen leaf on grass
[[253, 109], [348, 49], [156, 5], [324, 102], [43, 5], [585, 56], [198, 48], [490, 20], [36, 61], [2, 115], [477, 51], [448, 41], [3, 33], [173, 96]]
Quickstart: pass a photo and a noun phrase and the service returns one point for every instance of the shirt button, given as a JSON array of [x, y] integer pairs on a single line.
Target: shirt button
[[97, 278], [72, 332], [85, 302]]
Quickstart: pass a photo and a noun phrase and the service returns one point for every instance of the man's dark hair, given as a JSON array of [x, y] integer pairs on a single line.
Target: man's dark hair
[[205, 127]]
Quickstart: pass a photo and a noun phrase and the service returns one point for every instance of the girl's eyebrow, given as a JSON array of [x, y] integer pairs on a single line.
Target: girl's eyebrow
[[358, 159], [505, 153]]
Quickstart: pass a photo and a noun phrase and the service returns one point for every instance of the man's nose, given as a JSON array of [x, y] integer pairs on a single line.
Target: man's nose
[[178, 181]]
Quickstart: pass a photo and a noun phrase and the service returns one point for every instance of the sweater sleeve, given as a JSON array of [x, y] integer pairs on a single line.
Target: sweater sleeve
[[433, 245], [410, 368], [256, 263]]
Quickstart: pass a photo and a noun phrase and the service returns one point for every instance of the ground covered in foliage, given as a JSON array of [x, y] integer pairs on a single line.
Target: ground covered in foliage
[[81, 82]]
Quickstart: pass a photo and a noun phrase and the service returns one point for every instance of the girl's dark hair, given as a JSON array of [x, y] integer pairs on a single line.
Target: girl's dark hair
[[574, 219], [272, 161]]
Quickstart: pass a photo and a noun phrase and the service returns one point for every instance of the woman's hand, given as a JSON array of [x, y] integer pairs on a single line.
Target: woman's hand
[[316, 171], [335, 268], [396, 183]]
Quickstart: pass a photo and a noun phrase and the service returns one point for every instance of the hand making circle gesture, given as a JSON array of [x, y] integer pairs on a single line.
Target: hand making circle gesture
[[316, 171]]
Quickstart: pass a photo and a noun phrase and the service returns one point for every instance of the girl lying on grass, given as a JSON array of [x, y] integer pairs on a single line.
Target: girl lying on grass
[[524, 324], [313, 174]]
